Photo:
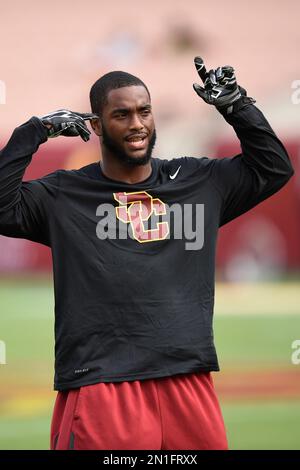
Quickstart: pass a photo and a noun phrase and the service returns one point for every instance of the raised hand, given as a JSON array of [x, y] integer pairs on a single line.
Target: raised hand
[[220, 86], [67, 123]]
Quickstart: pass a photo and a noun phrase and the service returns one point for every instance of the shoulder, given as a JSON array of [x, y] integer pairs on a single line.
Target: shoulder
[[186, 165], [55, 178], [92, 170]]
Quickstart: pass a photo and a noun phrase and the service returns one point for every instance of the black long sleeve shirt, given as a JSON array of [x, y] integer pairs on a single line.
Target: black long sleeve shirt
[[135, 308]]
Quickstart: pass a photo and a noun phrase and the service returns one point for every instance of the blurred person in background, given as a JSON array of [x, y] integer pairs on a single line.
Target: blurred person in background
[[134, 347]]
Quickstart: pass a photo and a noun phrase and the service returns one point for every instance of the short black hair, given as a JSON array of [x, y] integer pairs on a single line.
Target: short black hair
[[108, 82]]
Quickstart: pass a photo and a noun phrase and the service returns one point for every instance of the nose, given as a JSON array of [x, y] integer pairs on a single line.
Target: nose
[[136, 123]]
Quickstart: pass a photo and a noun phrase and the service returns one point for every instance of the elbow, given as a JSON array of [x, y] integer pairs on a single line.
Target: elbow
[[286, 175], [292, 172], [283, 176], [289, 172], [285, 166]]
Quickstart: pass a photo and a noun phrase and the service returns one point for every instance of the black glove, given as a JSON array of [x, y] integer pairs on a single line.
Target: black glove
[[221, 88], [68, 123]]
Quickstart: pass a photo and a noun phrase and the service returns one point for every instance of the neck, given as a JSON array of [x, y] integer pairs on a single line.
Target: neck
[[116, 170]]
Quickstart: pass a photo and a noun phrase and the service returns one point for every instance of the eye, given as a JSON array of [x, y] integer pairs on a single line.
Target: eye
[[120, 115], [145, 112]]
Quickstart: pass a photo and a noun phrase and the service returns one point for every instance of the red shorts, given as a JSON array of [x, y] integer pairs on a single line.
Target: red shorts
[[178, 412]]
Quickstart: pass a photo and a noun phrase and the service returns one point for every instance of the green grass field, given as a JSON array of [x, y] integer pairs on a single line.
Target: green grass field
[[253, 335]]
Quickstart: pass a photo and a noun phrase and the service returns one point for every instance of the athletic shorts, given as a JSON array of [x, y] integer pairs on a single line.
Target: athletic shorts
[[179, 412]]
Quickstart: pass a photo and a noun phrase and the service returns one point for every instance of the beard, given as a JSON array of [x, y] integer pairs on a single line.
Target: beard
[[120, 153]]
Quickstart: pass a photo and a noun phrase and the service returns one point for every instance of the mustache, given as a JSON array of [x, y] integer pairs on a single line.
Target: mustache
[[121, 154]]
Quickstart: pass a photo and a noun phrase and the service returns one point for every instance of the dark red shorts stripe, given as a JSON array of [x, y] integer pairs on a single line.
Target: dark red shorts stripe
[[178, 412]]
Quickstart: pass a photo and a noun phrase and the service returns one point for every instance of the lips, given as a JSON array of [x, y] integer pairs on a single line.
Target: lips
[[136, 141]]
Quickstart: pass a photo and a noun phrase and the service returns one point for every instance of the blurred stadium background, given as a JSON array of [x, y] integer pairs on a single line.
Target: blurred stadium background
[[51, 54]]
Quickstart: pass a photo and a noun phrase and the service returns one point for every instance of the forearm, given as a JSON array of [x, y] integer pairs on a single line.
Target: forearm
[[261, 148], [15, 157]]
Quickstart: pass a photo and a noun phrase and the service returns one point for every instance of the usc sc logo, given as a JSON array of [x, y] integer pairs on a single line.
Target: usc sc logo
[[136, 208]]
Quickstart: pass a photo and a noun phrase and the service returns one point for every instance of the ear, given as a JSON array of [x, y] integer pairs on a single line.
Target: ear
[[96, 125]]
